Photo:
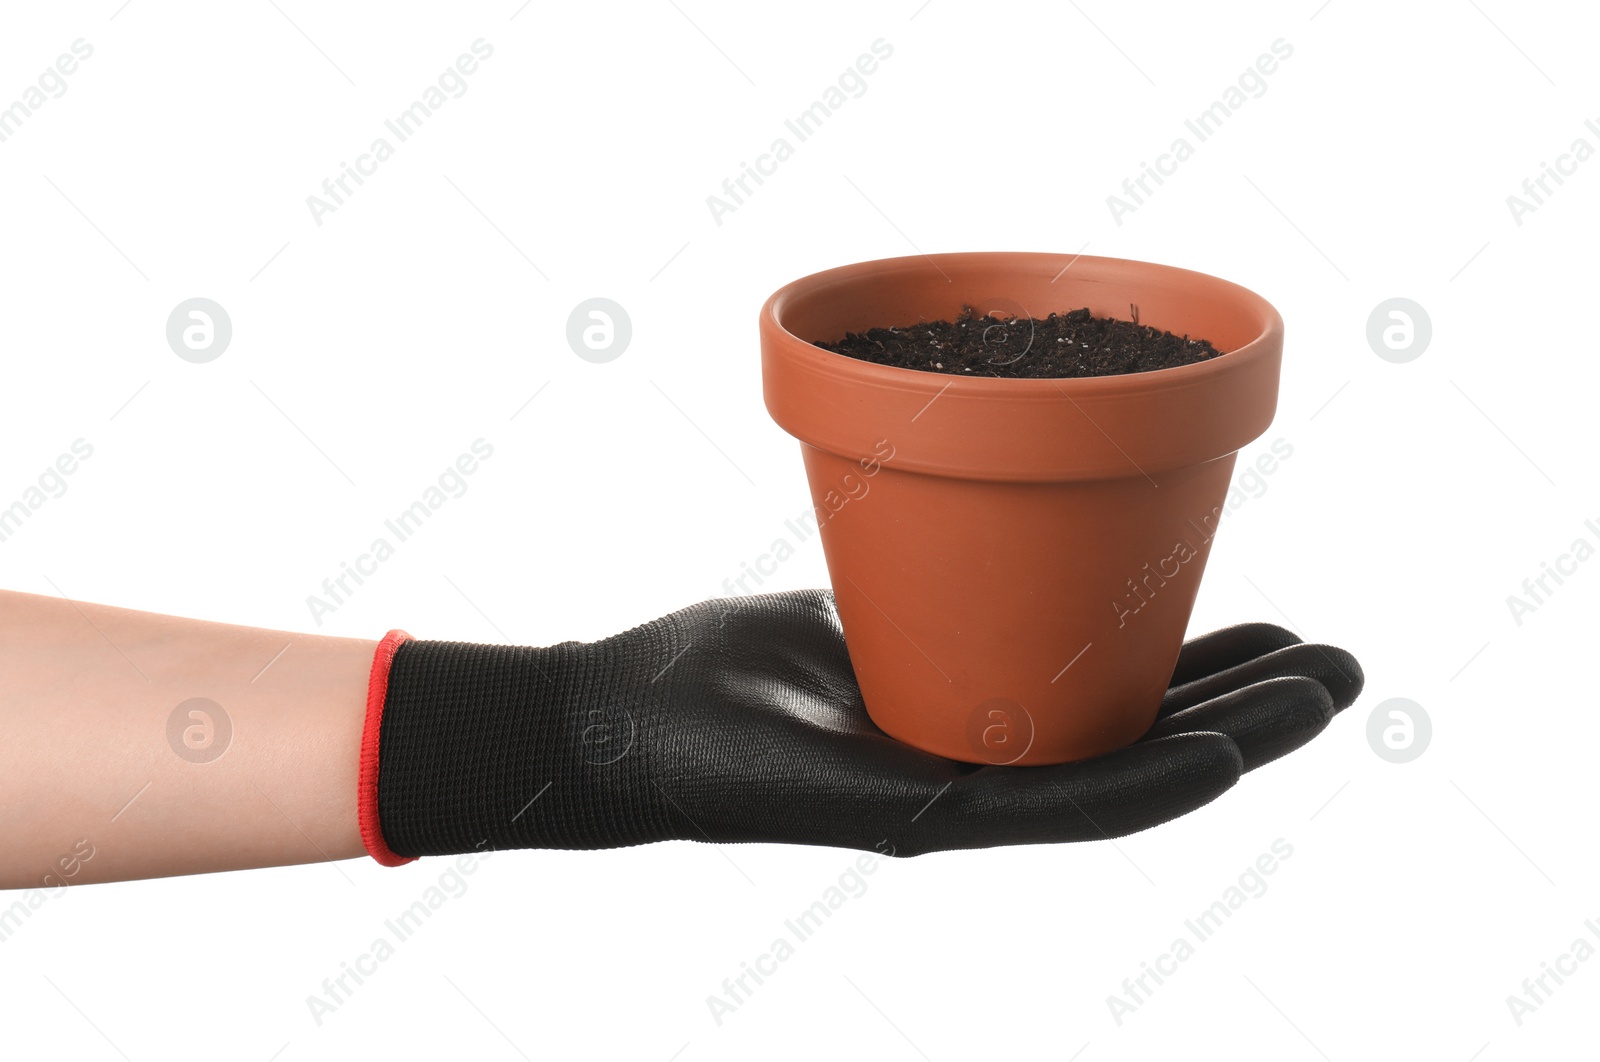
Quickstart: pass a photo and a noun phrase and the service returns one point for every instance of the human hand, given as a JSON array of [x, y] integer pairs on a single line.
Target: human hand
[[740, 720]]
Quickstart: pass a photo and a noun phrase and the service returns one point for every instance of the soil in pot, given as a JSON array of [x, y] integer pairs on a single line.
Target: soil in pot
[[1060, 346]]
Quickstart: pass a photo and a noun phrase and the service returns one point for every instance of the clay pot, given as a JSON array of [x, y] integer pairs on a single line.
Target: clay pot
[[1015, 561]]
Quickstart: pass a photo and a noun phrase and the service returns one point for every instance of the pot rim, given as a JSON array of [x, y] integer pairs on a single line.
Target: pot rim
[[1020, 430], [1266, 342]]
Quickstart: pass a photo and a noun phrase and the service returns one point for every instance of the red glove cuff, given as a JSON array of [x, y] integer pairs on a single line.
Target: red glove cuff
[[367, 796]]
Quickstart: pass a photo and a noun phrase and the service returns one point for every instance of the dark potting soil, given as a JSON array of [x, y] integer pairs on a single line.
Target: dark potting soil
[[1060, 346]]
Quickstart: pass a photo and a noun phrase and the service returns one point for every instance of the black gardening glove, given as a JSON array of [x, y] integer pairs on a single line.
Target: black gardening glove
[[739, 720]]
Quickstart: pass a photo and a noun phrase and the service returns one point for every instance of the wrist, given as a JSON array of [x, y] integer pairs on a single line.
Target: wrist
[[372, 835], [481, 747]]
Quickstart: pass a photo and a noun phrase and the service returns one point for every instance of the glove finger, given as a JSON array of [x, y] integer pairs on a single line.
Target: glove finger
[[1337, 670], [1228, 647], [1109, 796], [1267, 720]]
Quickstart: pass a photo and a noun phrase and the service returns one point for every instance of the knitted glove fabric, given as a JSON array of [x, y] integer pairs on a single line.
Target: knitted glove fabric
[[740, 720]]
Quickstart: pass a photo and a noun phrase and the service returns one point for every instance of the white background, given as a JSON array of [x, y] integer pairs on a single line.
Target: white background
[[370, 350]]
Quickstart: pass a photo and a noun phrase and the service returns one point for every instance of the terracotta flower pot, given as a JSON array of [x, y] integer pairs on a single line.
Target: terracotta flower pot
[[1015, 561]]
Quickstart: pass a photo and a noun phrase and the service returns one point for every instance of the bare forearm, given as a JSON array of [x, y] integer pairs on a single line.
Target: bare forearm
[[141, 745]]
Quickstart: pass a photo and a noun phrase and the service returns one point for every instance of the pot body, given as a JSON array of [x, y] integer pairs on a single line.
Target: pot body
[[1015, 561]]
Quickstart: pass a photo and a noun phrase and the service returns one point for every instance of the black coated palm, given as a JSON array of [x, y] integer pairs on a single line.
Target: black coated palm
[[740, 720]]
